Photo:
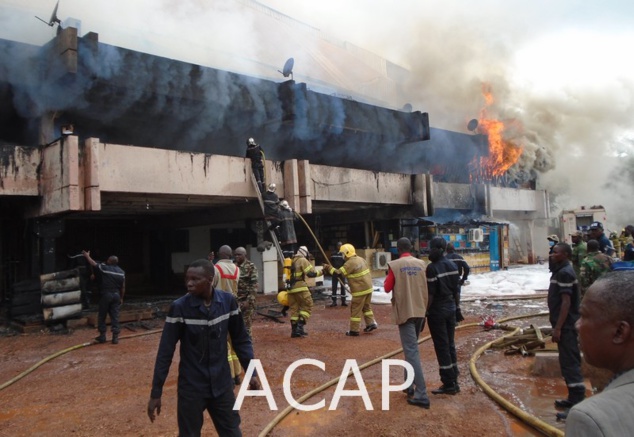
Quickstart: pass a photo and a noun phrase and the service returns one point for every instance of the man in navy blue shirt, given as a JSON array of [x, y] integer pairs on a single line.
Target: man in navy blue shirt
[[442, 308], [563, 307], [111, 280], [596, 233], [201, 320]]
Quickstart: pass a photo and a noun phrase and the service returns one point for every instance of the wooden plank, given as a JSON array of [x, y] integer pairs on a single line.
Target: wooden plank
[[56, 299], [125, 316], [59, 275], [60, 285], [30, 309], [63, 312], [26, 298], [25, 286]]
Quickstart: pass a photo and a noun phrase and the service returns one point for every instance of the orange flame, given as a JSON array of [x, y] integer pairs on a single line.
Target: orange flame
[[503, 152]]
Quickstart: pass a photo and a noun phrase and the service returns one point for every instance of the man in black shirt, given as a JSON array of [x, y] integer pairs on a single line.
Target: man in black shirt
[[463, 267], [442, 308], [256, 155], [563, 306], [201, 320], [337, 261], [111, 280]]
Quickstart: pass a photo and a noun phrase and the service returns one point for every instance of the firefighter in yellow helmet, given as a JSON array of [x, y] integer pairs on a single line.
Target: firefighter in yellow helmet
[[356, 270], [300, 300]]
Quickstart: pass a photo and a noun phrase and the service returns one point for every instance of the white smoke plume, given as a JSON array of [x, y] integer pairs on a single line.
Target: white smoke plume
[[574, 103]]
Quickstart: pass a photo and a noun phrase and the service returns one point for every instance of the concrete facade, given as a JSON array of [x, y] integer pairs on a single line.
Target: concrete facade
[[110, 180]]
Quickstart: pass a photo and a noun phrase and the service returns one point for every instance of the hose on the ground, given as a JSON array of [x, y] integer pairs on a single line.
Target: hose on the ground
[[62, 352], [277, 419], [529, 419], [522, 415]]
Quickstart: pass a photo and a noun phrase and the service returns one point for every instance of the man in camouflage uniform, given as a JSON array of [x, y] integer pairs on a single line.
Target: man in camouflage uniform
[[579, 251], [594, 265], [247, 286]]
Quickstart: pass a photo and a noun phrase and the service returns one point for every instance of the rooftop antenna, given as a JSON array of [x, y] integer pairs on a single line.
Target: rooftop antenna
[[51, 22], [288, 68]]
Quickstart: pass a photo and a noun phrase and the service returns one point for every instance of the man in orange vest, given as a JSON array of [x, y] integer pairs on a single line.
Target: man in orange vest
[[226, 279]]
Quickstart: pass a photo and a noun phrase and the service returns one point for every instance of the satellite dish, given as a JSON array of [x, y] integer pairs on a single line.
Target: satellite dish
[[472, 125], [51, 22], [288, 68]]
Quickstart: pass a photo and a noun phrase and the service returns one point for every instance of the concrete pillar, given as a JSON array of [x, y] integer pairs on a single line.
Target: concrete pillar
[[291, 184], [90, 166], [305, 187]]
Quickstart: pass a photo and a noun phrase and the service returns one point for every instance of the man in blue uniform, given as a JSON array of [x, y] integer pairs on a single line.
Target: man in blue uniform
[[111, 280], [463, 267], [442, 309], [337, 261], [595, 232], [201, 320], [563, 306]]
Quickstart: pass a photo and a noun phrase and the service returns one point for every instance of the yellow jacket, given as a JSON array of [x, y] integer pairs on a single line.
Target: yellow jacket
[[358, 273]]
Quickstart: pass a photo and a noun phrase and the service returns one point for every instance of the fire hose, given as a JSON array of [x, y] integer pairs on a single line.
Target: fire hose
[[62, 352], [530, 420], [343, 284]]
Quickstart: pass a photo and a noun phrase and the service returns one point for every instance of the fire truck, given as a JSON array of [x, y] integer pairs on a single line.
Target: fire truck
[[573, 220]]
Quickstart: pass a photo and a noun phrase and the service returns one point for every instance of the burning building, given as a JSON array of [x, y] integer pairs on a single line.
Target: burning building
[[118, 151]]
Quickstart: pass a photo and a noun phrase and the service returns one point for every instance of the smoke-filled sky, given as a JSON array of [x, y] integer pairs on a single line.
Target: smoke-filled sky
[[563, 69]]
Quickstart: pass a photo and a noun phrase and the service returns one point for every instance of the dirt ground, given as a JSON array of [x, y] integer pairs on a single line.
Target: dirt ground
[[102, 390]]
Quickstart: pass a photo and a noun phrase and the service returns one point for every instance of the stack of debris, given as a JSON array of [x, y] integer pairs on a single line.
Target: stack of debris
[[524, 342]]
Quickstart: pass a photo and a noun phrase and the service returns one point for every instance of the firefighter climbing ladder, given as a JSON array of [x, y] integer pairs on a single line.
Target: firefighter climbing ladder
[[276, 243]]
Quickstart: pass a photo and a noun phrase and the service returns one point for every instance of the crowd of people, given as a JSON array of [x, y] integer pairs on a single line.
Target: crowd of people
[[220, 303], [575, 269], [591, 310]]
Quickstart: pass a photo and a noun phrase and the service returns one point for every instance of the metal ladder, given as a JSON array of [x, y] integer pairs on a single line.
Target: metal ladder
[[276, 243]]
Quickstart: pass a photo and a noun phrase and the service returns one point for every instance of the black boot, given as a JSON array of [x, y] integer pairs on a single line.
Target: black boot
[[115, 338], [101, 338], [300, 328], [334, 302], [447, 389], [294, 331], [343, 301]]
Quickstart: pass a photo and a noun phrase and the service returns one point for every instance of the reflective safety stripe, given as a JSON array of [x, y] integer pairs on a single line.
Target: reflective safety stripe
[[202, 322], [304, 314], [369, 313], [308, 268], [564, 284], [446, 367], [355, 319], [577, 384], [442, 275], [362, 293], [358, 275], [298, 289]]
